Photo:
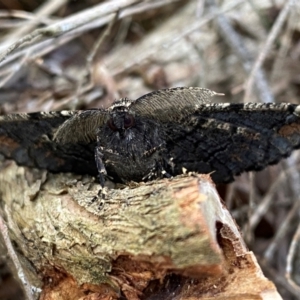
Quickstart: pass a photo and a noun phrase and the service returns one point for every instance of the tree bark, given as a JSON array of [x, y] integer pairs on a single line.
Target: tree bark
[[154, 240]]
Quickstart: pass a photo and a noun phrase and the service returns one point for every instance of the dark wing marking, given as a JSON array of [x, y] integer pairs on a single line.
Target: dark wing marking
[[225, 139], [169, 105], [28, 139], [82, 127], [228, 139]]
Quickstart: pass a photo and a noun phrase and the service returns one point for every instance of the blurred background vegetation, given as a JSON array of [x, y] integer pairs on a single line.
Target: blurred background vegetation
[[79, 54]]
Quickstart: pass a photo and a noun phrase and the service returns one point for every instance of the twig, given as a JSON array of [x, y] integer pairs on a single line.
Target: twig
[[278, 278], [122, 32], [265, 203], [200, 52], [46, 46], [229, 196], [285, 46], [263, 54], [69, 24], [12, 254], [174, 38], [90, 59], [260, 16], [237, 46], [295, 188], [21, 14], [200, 8], [195, 26], [294, 177], [248, 230], [268, 255], [11, 24], [45, 10], [293, 252], [99, 42], [16, 68]]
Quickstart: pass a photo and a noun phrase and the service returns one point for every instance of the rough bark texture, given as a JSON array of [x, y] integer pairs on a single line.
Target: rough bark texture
[[160, 240]]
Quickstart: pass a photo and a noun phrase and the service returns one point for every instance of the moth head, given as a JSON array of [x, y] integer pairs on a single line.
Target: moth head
[[121, 118]]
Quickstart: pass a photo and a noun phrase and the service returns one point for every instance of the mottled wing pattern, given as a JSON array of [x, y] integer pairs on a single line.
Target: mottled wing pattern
[[28, 139], [222, 139], [171, 104], [227, 139]]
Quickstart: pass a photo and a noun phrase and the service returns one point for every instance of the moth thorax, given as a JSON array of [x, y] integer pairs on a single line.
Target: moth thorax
[[124, 102], [121, 119]]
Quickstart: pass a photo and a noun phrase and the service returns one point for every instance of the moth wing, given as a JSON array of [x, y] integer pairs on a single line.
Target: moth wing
[[82, 127], [171, 104], [228, 139], [28, 139]]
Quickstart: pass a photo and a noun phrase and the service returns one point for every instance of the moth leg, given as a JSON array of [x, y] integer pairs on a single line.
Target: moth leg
[[161, 165], [170, 164], [157, 172], [100, 166], [158, 169], [165, 173]]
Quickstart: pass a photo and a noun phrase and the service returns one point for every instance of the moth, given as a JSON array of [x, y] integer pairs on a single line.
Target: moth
[[160, 134]]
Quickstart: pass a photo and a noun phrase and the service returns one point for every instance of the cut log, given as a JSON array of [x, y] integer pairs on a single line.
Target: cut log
[[166, 239]]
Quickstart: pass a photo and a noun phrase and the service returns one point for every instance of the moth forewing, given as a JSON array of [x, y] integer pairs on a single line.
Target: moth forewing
[[82, 127]]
